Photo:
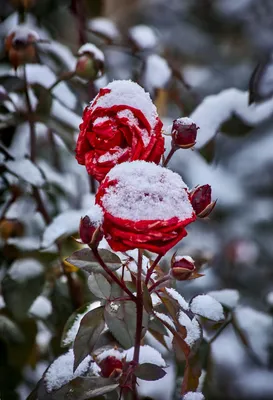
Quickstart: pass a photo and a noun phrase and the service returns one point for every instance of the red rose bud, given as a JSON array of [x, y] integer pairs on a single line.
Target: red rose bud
[[184, 132], [90, 230], [201, 202], [90, 63], [20, 46], [182, 267], [110, 366]]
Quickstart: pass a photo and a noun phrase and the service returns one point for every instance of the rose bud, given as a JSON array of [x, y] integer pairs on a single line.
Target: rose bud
[[184, 132], [20, 46], [200, 198], [182, 267], [90, 227], [110, 366], [90, 63]]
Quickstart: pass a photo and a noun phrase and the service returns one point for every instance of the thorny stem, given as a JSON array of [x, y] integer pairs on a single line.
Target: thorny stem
[[157, 283], [139, 316], [112, 275], [151, 269], [169, 156]]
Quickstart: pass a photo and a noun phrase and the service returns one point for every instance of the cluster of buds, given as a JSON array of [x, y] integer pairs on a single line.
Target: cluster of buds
[[20, 45], [182, 267], [201, 201], [90, 64], [184, 133]]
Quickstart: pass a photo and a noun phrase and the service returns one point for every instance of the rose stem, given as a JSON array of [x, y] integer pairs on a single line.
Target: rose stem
[[139, 316], [73, 290], [112, 275], [151, 269], [169, 156], [157, 283]]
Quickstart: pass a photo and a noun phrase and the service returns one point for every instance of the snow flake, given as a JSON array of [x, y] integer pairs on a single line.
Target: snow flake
[[206, 306], [176, 296], [158, 193]]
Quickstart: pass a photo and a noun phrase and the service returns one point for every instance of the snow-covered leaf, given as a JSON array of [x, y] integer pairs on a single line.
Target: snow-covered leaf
[[147, 354], [91, 326], [194, 396], [24, 169], [207, 307], [41, 307], [228, 297], [261, 81]]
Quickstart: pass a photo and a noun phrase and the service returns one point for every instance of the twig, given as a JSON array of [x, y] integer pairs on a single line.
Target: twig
[[151, 269], [157, 283], [169, 156], [31, 120]]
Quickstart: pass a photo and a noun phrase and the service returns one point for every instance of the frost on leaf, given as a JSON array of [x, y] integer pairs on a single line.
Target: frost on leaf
[[60, 371], [26, 170], [207, 307], [228, 297], [176, 296], [104, 27], [159, 193], [192, 328], [147, 355]]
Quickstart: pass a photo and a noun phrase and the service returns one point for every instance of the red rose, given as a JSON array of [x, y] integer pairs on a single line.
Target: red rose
[[145, 206], [121, 124]]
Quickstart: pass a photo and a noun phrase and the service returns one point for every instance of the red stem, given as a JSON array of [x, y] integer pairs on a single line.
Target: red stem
[[157, 283], [169, 156], [151, 269], [112, 275]]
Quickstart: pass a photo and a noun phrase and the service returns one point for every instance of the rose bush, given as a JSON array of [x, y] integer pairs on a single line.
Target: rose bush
[[121, 124], [145, 206]]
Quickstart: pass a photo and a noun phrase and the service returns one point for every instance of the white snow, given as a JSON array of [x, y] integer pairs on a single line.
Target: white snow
[[192, 328], [187, 258], [206, 306], [127, 93], [227, 297], [41, 307], [257, 327], [66, 116], [176, 296], [119, 355], [269, 298], [184, 121], [193, 396], [143, 36], [216, 109], [61, 370], [95, 214], [64, 225], [26, 170], [165, 318], [93, 50], [72, 332], [104, 26], [157, 73], [147, 355], [22, 33], [146, 191], [24, 269], [113, 155], [2, 302]]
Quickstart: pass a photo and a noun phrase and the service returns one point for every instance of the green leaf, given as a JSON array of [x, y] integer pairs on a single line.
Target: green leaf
[[157, 326], [9, 330], [70, 322], [99, 286], [91, 327], [121, 320], [147, 300], [86, 260], [149, 372]]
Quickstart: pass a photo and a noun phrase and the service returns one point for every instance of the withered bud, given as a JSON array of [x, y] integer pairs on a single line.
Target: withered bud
[[90, 64], [182, 267], [184, 132], [20, 46], [200, 198]]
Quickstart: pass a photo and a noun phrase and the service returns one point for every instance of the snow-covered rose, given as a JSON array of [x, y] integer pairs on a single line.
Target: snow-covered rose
[[121, 124]]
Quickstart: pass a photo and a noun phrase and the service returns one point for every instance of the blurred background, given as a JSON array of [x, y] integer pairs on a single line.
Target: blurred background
[[188, 54]]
